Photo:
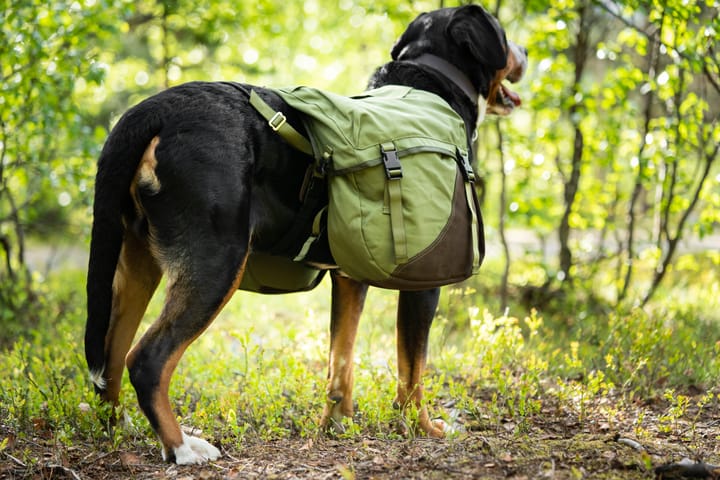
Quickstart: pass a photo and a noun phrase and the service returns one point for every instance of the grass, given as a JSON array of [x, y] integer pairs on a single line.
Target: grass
[[258, 373]]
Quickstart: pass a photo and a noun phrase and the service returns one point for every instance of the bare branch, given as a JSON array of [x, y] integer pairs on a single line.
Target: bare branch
[[607, 5], [642, 164], [501, 226], [5, 242], [674, 241]]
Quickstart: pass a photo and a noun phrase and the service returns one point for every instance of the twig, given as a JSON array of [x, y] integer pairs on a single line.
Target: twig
[[69, 471], [89, 460], [16, 460], [630, 443]]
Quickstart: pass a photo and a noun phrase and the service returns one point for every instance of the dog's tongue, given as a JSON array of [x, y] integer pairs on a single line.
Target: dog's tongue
[[514, 97]]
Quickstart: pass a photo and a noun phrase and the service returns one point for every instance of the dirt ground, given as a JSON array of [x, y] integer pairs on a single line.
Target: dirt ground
[[551, 445]]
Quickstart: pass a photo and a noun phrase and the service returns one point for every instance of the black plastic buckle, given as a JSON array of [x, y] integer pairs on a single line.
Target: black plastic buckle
[[321, 164], [393, 169], [464, 163]]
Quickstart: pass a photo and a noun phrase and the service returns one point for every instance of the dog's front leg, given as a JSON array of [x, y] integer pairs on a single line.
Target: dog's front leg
[[416, 311], [348, 298]]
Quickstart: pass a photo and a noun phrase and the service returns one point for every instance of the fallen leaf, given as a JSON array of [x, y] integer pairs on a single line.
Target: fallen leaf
[[128, 459]]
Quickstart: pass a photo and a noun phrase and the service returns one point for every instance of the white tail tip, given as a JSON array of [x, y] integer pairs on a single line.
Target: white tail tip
[[96, 378]]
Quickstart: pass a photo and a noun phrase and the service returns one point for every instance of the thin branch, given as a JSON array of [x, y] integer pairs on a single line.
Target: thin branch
[[3, 151], [706, 58], [166, 43], [706, 68], [19, 231], [559, 167], [670, 181], [710, 78], [673, 242], [606, 5], [5, 242], [637, 189], [501, 226], [15, 70]]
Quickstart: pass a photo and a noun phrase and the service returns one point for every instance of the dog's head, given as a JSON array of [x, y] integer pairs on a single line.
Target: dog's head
[[473, 41]]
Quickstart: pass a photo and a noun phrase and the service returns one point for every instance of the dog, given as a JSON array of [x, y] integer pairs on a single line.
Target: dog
[[192, 181]]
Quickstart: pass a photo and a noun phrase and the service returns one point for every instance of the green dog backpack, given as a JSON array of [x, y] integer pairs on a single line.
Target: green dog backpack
[[402, 210], [265, 273]]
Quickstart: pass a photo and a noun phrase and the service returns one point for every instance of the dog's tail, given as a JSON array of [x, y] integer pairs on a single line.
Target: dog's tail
[[117, 165]]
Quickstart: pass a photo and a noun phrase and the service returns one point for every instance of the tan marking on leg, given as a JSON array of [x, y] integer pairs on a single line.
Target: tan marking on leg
[[136, 279], [404, 374], [410, 388], [168, 428], [347, 308]]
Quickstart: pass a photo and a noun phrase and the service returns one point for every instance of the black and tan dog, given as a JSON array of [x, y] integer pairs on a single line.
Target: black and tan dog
[[192, 180]]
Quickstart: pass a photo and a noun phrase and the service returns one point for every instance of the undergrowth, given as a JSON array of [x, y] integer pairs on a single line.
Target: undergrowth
[[259, 371]]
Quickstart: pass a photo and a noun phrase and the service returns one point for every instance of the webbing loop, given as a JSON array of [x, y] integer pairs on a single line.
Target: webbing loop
[[393, 172], [397, 222], [315, 233], [473, 226]]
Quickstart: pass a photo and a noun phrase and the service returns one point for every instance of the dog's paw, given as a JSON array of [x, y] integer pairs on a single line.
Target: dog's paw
[[438, 428], [335, 412], [334, 427], [195, 451]]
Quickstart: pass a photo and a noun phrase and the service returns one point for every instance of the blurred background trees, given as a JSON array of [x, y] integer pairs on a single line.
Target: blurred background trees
[[613, 164], [599, 186]]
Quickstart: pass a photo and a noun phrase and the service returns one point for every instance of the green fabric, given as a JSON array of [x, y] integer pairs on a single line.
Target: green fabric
[[271, 274], [355, 126], [397, 223], [278, 122], [393, 160]]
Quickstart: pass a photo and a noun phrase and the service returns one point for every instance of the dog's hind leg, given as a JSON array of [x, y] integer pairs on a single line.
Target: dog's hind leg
[[348, 298], [197, 290], [415, 315], [136, 278]]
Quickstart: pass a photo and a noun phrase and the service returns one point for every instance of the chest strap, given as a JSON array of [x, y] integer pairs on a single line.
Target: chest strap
[[278, 122]]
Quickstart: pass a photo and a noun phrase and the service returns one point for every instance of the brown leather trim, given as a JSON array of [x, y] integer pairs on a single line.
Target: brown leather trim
[[449, 258]]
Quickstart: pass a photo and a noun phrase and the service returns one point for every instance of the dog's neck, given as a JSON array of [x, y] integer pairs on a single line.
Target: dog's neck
[[450, 71]]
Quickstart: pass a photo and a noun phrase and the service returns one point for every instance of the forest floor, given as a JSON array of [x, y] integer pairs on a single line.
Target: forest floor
[[574, 433], [551, 445]]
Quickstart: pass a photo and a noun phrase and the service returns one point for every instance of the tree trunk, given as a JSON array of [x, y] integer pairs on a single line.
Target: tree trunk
[[573, 180], [642, 166]]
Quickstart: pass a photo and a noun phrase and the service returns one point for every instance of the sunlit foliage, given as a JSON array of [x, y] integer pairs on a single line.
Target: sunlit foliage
[[609, 166]]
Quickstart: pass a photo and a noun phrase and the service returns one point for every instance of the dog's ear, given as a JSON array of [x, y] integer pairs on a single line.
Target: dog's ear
[[413, 33], [479, 33]]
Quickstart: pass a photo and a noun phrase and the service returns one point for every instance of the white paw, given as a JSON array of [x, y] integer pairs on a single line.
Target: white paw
[[194, 451]]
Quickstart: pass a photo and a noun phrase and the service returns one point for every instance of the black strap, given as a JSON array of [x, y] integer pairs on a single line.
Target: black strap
[[315, 199], [450, 71]]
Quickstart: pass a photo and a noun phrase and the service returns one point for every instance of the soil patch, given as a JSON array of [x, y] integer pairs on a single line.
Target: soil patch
[[552, 445]]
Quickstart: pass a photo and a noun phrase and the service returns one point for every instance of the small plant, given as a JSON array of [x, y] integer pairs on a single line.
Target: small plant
[[670, 420], [246, 380]]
